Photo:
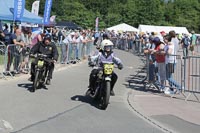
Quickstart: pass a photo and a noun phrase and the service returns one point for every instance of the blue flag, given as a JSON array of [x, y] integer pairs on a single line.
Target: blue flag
[[1, 29], [19, 6], [47, 11]]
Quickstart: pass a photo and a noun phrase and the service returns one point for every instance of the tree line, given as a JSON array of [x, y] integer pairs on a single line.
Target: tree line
[[184, 13]]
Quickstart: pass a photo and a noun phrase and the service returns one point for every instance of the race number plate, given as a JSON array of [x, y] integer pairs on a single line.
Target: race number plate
[[40, 63], [108, 68]]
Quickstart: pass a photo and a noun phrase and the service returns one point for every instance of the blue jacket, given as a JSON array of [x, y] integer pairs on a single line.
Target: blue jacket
[[102, 57]]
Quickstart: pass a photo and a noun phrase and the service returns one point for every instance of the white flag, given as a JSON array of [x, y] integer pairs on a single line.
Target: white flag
[[35, 7], [52, 18]]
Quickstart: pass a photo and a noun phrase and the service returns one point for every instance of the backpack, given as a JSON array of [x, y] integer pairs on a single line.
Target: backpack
[[186, 41], [60, 34], [7, 38]]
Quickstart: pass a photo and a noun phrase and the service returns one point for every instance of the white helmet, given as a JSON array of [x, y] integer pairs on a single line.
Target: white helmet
[[106, 42]]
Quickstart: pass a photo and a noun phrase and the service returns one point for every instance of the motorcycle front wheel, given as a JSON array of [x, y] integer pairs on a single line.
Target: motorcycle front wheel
[[36, 81], [106, 96]]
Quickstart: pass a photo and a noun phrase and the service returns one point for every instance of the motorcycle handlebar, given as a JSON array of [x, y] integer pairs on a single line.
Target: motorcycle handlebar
[[42, 56], [38, 55]]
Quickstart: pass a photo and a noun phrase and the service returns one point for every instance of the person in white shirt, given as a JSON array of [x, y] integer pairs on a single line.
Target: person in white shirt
[[175, 41], [65, 50], [170, 65], [71, 47]]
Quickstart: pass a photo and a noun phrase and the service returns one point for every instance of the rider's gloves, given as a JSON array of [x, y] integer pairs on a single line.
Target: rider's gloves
[[54, 61], [33, 55], [120, 66]]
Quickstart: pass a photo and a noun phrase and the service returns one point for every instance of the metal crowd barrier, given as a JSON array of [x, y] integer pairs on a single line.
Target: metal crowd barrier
[[183, 75], [150, 79], [123, 44], [74, 52], [192, 76], [2, 58], [175, 75], [13, 59], [11, 56]]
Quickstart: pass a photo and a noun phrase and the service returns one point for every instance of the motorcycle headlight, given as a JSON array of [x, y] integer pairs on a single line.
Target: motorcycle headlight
[[40, 63]]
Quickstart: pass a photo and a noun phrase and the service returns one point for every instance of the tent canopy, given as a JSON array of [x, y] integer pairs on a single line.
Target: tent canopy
[[6, 8], [68, 25], [158, 29], [123, 27]]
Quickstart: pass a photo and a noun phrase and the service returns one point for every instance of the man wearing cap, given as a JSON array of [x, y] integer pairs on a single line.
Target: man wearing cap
[[151, 58], [160, 60], [162, 33]]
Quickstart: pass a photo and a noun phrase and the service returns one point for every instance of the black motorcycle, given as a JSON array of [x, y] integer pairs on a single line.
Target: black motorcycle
[[101, 92], [40, 70]]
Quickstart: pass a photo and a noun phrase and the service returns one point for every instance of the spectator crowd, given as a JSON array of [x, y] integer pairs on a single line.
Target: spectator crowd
[[75, 45]]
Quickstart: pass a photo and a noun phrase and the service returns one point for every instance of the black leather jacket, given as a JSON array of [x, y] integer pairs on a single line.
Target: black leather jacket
[[49, 50]]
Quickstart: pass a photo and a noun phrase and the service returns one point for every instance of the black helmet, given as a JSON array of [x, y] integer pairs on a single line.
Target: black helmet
[[105, 36], [47, 37]]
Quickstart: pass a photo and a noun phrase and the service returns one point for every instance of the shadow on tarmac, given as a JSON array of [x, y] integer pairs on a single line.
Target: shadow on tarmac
[[86, 99], [139, 82], [29, 86]]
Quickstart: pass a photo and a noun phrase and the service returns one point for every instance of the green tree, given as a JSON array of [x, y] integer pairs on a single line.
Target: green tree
[[149, 12], [133, 12]]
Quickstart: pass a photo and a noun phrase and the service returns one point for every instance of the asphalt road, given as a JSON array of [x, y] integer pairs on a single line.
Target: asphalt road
[[63, 108]]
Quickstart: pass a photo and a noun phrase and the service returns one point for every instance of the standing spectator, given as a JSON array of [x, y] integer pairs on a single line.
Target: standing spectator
[[150, 46], [185, 42], [54, 34], [113, 38], [72, 46], [1, 35], [170, 65], [78, 46], [96, 37], [1, 32], [15, 51], [160, 61], [61, 35], [6, 34], [130, 41], [124, 41], [25, 52], [175, 41], [137, 41], [84, 41], [163, 33], [37, 38], [65, 50], [193, 42], [90, 41]]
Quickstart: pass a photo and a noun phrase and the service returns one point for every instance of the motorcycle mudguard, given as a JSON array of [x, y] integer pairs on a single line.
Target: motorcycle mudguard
[[107, 79]]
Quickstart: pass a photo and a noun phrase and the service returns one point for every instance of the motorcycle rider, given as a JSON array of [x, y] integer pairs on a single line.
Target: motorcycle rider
[[105, 55], [48, 48]]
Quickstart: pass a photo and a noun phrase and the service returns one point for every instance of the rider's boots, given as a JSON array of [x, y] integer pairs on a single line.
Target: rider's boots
[[112, 92]]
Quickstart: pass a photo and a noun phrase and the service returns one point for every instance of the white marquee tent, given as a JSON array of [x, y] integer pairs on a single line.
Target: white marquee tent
[[158, 29], [123, 27]]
